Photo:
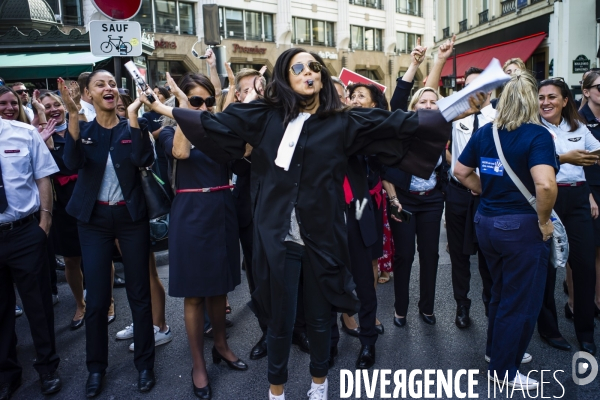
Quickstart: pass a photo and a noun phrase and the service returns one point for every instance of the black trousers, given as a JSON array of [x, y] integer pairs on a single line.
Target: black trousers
[[246, 240], [283, 313], [97, 238], [457, 218], [425, 225], [23, 259], [573, 207]]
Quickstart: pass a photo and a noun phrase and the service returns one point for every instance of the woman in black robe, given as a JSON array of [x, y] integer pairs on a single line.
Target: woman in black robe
[[298, 200]]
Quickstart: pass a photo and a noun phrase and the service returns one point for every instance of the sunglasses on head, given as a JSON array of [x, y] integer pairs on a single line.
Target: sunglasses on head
[[558, 79], [20, 91], [124, 91], [314, 66], [197, 101]]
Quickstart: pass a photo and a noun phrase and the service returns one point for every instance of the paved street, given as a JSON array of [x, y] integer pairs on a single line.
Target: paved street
[[416, 346]]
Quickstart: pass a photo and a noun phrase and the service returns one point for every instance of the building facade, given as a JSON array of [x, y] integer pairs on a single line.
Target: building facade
[[554, 38]]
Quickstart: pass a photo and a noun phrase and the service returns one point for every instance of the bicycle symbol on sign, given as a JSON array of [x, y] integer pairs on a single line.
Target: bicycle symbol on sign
[[122, 47]]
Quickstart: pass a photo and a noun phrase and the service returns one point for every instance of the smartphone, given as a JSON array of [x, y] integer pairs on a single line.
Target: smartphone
[[403, 215]]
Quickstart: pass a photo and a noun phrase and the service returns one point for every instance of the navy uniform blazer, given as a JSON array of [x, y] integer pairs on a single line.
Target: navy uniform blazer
[[592, 173], [313, 186], [129, 148]]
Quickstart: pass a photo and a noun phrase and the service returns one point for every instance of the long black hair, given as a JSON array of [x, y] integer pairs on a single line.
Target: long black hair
[[569, 112], [377, 95], [280, 94]]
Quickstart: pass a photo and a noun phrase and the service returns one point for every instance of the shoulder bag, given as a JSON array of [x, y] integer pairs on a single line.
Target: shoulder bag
[[158, 201], [559, 248]]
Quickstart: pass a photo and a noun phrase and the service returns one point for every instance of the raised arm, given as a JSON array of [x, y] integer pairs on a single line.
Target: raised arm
[[445, 50], [211, 60], [142, 152], [404, 85]]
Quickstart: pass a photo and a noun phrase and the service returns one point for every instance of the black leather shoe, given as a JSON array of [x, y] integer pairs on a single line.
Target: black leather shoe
[[260, 349], [333, 352], [237, 365], [352, 332], [399, 321], [51, 382], [568, 313], [462, 317], [201, 393], [366, 357], [146, 380], [76, 324], [93, 386], [379, 329], [301, 340], [428, 319], [588, 347], [559, 343], [7, 389], [111, 319], [118, 282], [228, 323]]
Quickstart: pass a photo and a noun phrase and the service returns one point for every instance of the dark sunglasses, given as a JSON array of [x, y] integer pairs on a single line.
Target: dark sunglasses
[[314, 66], [21, 91], [197, 101], [124, 91], [596, 86]]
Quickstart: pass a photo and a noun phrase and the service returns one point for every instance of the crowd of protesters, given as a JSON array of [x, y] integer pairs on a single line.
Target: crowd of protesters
[[327, 194]]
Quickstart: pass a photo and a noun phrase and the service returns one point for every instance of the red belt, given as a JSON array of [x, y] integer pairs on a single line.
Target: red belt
[[205, 190], [426, 193], [571, 184], [108, 203]]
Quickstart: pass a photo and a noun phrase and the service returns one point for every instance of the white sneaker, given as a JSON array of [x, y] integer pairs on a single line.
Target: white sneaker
[[318, 392], [526, 358], [273, 397], [159, 337], [521, 382], [126, 333]]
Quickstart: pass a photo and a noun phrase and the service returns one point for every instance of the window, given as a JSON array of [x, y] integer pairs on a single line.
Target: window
[[368, 3], [247, 25], [410, 7], [167, 16], [70, 11], [312, 32], [406, 42], [362, 38]]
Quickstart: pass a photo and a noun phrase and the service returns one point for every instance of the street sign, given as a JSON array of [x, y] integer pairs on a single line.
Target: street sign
[[350, 77], [115, 38], [118, 9], [581, 64]]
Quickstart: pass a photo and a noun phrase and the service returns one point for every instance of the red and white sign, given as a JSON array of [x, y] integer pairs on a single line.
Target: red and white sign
[[350, 77], [118, 9]]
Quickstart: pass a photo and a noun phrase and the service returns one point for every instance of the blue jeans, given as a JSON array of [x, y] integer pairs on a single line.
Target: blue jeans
[[517, 258]]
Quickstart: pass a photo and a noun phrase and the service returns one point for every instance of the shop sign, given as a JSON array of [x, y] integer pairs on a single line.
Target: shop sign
[[118, 9], [249, 50], [328, 55], [115, 38], [164, 45], [581, 64], [148, 39]]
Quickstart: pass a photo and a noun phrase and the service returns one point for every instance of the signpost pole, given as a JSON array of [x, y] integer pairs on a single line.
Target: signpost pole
[[117, 64]]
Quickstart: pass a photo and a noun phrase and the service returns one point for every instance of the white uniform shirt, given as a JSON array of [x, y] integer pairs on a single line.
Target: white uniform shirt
[[565, 141], [88, 110], [24, 158], [462, 130]]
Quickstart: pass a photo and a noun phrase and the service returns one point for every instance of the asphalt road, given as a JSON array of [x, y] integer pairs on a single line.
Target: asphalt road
[[415, 346]]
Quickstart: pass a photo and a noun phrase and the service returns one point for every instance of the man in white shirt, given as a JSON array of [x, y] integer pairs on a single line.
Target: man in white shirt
[[87, 108], [21, 90], [25, 188], [460, 210]]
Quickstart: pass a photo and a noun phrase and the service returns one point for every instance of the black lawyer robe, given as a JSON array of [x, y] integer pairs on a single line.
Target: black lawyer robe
[[313, 185]]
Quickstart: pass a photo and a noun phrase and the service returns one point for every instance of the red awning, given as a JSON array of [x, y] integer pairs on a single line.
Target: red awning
[[522, 48]]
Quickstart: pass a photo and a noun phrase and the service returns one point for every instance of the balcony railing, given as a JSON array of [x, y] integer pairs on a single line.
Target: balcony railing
[[407, 11], [445, 33], [378, 4], [483, 17], [462, 26], [508, 6]]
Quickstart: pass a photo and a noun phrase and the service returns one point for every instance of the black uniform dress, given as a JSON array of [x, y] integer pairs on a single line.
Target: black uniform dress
[[64, 226], [204, 256], [592, 174]]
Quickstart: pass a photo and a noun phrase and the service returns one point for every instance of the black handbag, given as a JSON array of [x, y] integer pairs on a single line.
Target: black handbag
[[158, 201]]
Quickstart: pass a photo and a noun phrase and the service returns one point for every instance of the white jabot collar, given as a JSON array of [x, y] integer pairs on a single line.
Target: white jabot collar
[[289, 141]]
